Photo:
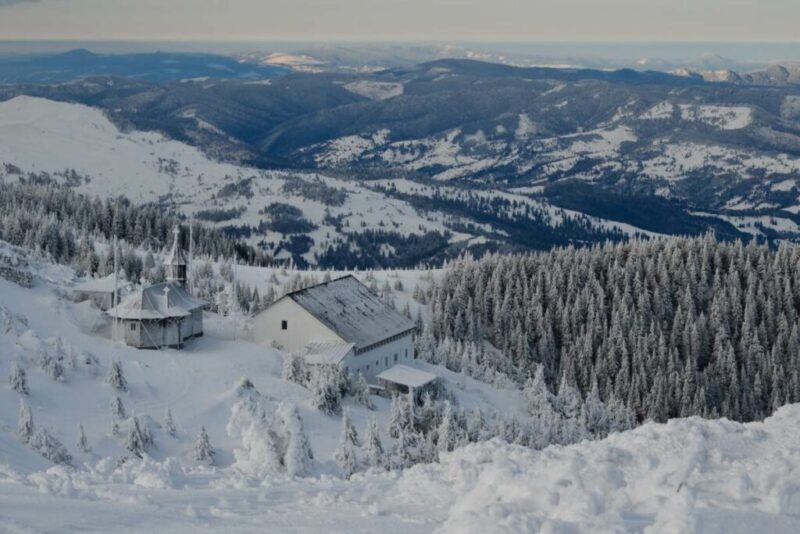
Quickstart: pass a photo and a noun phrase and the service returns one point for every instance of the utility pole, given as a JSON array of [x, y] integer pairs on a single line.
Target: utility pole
[[191, 252], [114, 299], [234, 293]]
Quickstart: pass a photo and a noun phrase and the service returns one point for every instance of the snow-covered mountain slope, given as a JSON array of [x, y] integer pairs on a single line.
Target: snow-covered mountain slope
[[78, 145], [303, 212]]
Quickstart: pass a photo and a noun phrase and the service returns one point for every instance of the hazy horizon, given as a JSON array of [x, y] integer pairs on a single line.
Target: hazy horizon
[[741, 21]]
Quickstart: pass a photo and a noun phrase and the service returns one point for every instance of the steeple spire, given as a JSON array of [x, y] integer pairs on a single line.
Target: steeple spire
[[175, 263]]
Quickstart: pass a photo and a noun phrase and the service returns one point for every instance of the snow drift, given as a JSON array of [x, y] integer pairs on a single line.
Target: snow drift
[[689, 475]]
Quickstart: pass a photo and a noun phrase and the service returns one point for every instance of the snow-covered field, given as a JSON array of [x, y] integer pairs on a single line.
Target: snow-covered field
[[685, 476], [149, 167]]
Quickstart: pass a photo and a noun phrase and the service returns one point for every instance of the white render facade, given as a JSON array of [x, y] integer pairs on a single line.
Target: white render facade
[[382, 357], [335, 314], [289, 327]]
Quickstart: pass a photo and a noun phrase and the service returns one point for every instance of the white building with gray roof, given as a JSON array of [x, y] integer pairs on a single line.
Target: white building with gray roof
[[339, 322]]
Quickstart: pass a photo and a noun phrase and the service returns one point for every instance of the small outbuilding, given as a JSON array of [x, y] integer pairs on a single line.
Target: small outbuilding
[[409, 380], [101, 291]]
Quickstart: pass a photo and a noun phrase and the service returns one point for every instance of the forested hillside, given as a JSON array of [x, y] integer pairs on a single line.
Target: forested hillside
[[673, 328]]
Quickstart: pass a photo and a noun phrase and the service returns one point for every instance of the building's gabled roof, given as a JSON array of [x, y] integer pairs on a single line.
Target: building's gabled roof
[[352, 311], [327, 353], [101, 285], [407, 376], [166, 300]]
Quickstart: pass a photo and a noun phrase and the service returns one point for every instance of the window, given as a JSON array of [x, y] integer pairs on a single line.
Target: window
[[133, 327], [284, 325], [406, 354], [367, 367], [395, 357], [386, 362], [377, 364]]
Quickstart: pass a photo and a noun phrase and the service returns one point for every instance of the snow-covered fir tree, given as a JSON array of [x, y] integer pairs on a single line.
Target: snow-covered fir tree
[[349, 430], [136, 442], [373, 447], [401, 417], [49, 447], [117, 408], [169, 423], [18, 379], [202, 451], [297, 456], [326, 389], [83, 443], [359, 389], [345, 455], [116, 378], [25, 426], [294, 369], [447, 437]]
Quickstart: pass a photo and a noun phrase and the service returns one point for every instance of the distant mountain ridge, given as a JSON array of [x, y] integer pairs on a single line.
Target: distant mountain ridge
[[486, 143], [154, 67]]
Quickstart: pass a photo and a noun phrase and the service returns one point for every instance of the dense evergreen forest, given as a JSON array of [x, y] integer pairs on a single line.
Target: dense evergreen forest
[[671, 327], [58, 221]]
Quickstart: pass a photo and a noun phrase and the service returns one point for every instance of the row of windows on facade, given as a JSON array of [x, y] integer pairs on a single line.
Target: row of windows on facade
[[378, 363]]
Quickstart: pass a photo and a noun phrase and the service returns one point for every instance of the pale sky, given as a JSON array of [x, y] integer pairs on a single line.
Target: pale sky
[[395, 20]]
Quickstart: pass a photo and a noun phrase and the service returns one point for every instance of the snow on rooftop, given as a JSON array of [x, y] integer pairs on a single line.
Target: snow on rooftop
[[160, 301], [407, 376], [350, 309], [101, 285], [327, 353]]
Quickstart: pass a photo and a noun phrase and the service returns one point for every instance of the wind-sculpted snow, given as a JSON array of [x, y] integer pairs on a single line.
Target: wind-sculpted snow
[[686, 476]]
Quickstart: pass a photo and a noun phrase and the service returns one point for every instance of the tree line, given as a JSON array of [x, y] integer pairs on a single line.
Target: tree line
[[671, 328]]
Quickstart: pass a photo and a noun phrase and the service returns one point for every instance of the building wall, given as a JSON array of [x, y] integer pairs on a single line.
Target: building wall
[[381, 358], [301, 327], [155, 334], [197, 322]]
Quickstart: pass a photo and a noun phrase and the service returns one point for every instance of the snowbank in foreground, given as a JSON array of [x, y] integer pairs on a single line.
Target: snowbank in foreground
[[688, 475], [685, 476]]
